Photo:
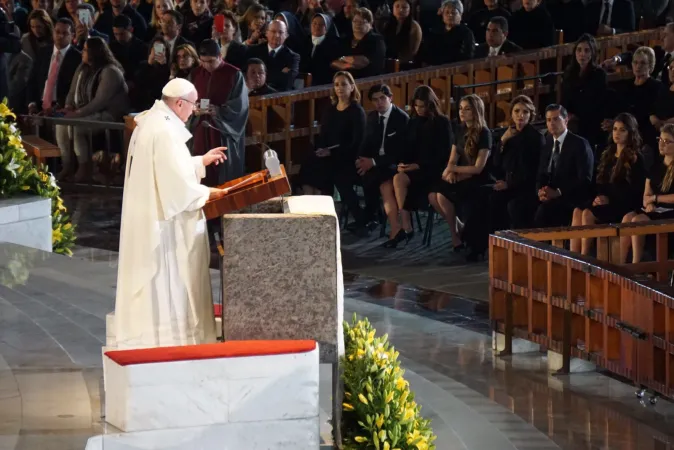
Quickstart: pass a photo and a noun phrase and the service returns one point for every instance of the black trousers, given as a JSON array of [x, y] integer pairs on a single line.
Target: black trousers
[[372, 180], [554, 213], [511, 209]]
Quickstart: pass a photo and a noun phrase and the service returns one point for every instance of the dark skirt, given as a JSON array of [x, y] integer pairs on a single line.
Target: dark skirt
[[417, 193], [611, 213], [318, 173], [660, 215], [457, 192]]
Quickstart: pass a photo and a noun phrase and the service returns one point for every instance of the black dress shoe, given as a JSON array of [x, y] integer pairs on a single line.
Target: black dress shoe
[[398, 238]]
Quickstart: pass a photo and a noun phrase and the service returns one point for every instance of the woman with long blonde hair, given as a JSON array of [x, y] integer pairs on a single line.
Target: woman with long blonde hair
[[658, 200], [465, 172]]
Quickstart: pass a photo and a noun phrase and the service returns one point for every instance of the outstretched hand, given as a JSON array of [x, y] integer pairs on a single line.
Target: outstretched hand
[[216, 155]]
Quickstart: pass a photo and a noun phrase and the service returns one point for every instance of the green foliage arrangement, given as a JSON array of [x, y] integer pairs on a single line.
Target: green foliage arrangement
[[18, 175], [379, 409]]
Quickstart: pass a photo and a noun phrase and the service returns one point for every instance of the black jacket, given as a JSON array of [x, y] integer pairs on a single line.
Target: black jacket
[[532, 30], [236, 55], [318, 64], [516, 161], [129, 55], [575, 167], [394, 140], [284, 58], [104, 22], [38, 78], [622, 16], [508, 47]]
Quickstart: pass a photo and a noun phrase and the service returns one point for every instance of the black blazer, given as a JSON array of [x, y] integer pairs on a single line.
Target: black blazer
[[38, 78], [236, 55], [508, 47], [285, 57], [516, 162], [575, 167], [394, 139], [622, 16]]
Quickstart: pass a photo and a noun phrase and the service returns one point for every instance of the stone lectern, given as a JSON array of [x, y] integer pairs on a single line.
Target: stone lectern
[[282, 278]]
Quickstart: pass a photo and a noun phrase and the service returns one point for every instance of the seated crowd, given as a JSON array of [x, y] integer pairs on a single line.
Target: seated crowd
[[103, 60]]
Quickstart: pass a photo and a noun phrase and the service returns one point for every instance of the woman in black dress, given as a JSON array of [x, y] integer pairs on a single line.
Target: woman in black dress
[[637, 95], [620, 180], [455, 42], [342, 133], [658, 200], [429, 137], [514, 167], [464, 173], [583, 91]]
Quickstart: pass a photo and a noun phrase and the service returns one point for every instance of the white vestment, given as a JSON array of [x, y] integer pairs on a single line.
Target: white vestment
[[163, 283]]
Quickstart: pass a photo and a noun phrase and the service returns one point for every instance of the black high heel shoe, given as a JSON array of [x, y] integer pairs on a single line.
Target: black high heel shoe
[[408, 236], [397, 239]]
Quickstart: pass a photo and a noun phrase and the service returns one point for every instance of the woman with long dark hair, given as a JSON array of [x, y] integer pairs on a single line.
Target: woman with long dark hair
[[184, 60], [584, 88], [619, 183], [253, 25], [658, 199], [40, 34], [465, 172], [98, 92], [402, 33], [429, 137]]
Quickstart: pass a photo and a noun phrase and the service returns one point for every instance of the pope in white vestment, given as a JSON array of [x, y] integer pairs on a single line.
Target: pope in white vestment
[[163, 283]]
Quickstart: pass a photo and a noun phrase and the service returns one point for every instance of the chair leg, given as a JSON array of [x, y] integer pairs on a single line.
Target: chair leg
[[431, 222], [429, 219], [416, 213]]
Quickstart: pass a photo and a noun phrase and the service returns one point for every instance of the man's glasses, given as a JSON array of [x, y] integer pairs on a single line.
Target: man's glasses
[[194, 104]]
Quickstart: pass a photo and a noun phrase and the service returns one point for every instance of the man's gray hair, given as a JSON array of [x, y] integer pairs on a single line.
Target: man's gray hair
[[456, 4]]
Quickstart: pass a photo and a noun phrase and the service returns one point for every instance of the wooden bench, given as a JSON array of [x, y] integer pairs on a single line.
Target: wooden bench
[[39, 149]]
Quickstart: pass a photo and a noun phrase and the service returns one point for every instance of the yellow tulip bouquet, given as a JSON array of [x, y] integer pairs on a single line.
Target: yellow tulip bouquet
[[18, 175], [379, 408]]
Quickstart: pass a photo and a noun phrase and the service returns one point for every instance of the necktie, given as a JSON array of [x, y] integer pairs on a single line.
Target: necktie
[[48, 97], [493, 51], [554, 159], [605, 16], [272, 53], [381, 132]]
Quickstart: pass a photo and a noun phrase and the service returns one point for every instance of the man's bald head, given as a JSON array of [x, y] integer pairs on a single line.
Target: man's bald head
[[277, 32]]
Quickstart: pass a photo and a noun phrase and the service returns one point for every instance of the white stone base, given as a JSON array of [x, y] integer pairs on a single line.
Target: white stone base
[[555, 362], [519, 345], [26, 220], [300, 434]]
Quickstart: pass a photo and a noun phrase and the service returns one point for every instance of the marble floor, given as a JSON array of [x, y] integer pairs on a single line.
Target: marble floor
[[52, 312]]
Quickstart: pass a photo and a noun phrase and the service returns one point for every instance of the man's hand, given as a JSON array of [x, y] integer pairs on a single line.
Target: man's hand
[[363, 165], [604, 30], [546, 193], [610, 64], [322, 152], [216, 155], [500, 185]]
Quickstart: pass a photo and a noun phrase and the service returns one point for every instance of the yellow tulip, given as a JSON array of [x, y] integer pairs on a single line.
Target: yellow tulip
[[389, 397], [380, 421], [362, 398], [401, 383], [387, 446], [360, 439], [347, 406], [347, 395], [409, 414]]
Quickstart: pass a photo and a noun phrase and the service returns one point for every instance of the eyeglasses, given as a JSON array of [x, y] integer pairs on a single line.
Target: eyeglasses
[[194, 104]]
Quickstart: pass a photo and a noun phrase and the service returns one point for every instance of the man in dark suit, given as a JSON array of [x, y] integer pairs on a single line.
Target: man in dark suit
[[171, 27], [609, 17], [383, 146], [564, 171], [497, 42], [256, 78], [127, 49], [67, 57], [283, 64], [664, 56], [104, 21]]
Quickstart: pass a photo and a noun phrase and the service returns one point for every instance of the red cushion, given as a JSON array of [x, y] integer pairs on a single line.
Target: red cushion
[[231, 349], [217, 310]]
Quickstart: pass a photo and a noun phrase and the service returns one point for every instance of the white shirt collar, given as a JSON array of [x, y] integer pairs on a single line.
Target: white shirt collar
[[561, 139], [387, 113], [495, 50], [277, 49], [317, 40], [62, 51]]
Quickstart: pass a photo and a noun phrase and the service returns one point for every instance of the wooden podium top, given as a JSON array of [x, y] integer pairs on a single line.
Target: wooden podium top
[[246, 191]]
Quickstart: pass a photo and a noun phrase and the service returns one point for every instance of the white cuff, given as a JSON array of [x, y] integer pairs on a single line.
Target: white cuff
[[199, 167]]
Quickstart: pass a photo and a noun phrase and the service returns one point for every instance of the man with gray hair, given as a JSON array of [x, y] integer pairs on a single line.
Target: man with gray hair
[[163, 284]]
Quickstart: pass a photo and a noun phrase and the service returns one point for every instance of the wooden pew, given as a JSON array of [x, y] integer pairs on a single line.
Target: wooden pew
[[39, 149]]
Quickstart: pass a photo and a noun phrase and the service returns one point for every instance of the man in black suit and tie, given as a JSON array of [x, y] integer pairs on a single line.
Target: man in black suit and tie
[[497, 42], [609, 17], [171, 27], [283, 64], [383, 146], [564, 172], [53, 70], [664, 55]]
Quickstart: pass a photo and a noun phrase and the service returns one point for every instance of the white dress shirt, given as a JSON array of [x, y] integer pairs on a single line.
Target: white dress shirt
[[494, 51], [383, 139], [58, 68]]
